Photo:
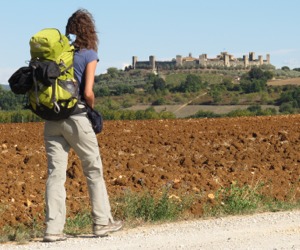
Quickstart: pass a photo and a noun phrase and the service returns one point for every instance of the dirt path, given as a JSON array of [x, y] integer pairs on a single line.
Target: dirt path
[[261, 231], [184, 105]]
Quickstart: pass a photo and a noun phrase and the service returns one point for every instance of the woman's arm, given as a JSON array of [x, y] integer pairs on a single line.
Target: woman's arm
[[89, 83]]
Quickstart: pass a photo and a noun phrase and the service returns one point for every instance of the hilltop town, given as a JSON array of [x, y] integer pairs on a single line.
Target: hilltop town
[[224, 59]]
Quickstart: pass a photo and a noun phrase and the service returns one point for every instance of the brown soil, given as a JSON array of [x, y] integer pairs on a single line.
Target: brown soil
[[195, 156]]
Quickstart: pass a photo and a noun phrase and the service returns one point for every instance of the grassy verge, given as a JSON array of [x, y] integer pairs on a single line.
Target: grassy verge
[[152, 207], [239, 200], [146, 207], [22, 233]]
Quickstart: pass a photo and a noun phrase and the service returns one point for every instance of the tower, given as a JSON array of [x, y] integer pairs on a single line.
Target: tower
[[226, 60], [260, 60], [134, 61], [203, 60], [246, 61], [268, 59], [178, 60], [152, 62], [251, 56]]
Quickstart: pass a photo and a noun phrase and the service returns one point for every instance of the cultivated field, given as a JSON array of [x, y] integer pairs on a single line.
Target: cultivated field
[[191, 157]]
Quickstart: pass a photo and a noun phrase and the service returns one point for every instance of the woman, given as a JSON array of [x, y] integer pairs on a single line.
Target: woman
[[77, 132]]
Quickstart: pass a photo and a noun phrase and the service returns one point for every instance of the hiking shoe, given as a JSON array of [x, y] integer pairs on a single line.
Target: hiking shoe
[[54, 237], [103, 230]]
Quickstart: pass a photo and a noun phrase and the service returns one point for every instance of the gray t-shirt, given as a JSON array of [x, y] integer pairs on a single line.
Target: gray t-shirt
[[81, 59]]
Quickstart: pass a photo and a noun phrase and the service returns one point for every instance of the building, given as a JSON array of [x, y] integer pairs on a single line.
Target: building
[[222, 60]]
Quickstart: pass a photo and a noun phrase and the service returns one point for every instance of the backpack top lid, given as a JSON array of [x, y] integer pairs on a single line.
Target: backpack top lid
[[48, 44]]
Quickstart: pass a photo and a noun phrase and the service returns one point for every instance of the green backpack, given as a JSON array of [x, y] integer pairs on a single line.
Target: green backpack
[[54, 94]]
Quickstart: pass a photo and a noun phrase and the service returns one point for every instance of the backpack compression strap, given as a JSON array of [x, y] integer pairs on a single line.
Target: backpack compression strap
[[53, 98], [35, 84]]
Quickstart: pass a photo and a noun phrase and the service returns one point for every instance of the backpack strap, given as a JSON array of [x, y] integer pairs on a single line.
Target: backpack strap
[[53, 98], [35, 83]]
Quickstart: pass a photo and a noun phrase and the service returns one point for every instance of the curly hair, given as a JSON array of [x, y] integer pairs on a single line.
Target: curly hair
[[82, 24]]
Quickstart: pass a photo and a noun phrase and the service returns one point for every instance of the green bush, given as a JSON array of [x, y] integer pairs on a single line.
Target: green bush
[[234, 200], [159, 101], [268, 111], [291, 96], [254, 108], [18, 116], [147, 114], [237, 200], [122, 89], [205, 114], [239, 112], [101, 91], [149, 207], [287, 108]]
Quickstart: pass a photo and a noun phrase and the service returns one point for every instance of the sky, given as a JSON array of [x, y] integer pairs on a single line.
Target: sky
[[162, 28]]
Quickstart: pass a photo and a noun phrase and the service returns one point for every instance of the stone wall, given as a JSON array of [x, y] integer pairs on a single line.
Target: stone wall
[[222, 60]]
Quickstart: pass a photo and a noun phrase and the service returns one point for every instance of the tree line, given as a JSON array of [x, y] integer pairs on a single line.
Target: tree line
[[119, 83]]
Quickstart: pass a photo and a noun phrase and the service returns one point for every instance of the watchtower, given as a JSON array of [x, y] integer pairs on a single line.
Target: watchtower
[[152, 62], [203, 60], [260, 60], [268, 59], [246, 61], [251, 56], [178, 60], [134, 61], [226, 60]]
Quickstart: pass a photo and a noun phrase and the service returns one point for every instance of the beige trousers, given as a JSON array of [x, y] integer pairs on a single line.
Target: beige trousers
[[60, 136]]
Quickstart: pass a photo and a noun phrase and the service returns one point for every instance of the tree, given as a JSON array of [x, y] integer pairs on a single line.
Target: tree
[[155, 82], [286, 68], [159, 84], [10, 101], [287, 108], [216, 91], [102, 91], [253, 86], [113, 72], [292, 97], [124, 89], [229, 85], [216, 95], [268, 75], [192, 83], [255, 80], [254, 108], [257, 73]]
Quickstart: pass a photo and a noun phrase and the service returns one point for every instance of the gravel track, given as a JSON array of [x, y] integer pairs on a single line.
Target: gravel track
[[280, 230]]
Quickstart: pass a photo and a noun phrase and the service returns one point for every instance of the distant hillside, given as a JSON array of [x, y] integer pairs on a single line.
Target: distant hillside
[[5, 86]]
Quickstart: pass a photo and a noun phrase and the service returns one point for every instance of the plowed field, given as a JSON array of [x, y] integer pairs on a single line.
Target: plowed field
[[195, 156]]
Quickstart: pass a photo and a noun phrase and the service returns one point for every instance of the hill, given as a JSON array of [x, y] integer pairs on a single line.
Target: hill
[[184, 93], [215, 90], [5, 86]]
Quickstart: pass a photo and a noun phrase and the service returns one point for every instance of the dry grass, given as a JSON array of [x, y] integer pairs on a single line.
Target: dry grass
[[281, 82]]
